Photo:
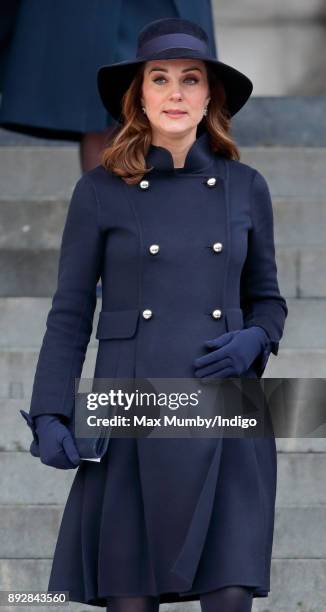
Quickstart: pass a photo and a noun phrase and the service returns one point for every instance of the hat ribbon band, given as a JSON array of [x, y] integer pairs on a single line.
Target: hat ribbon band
[[166, 41]]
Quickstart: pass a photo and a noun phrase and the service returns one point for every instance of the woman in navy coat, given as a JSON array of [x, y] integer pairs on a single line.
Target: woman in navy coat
[[181, 234]]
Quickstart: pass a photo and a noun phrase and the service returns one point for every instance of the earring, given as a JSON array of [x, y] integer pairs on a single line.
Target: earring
[[205, 111], [143, 109]]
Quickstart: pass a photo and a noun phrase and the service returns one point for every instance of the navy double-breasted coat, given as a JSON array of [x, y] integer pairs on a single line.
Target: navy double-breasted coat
[[174, 517]]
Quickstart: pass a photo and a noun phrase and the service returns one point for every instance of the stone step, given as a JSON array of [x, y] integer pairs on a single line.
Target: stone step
[[30, 531], [38, 224], [32, 224], [299, 222], [301, 480], [24, 321], [290, 172], [301, 271], [16, 436], [45, 171], [31, 272], [248, 37], [297, 363], [33, 575], [297, 585], [17, 370], [273, 121], [50, 172], [23, 324], [256, 11], [34, 272]]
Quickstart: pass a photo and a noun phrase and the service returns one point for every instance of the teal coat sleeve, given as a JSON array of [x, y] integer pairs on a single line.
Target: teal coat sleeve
[[260, 297]]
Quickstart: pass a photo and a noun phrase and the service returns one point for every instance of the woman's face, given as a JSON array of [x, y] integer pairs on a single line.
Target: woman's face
[[174, 94]]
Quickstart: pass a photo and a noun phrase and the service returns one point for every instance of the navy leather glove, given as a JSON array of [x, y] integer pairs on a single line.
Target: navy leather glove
[[233, 353], [52, 441]]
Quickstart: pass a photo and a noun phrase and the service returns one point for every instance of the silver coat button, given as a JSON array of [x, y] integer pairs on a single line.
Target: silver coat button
[[147, 314], [154, 248], [144, 184], [217, 247], [216, 314], [211, 182]]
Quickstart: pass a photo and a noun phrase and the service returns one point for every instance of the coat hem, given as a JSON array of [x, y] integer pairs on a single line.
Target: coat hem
[[166, 596], [50, 132]]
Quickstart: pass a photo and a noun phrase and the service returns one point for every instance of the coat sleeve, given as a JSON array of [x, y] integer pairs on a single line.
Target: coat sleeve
[[260, 297], [70, 320]]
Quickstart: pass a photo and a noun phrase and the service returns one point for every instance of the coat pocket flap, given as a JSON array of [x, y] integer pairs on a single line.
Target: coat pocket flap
[[117, 323], [234, 319]]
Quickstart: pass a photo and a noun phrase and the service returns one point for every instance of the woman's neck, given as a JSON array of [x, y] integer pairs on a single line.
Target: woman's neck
[[177, 145]]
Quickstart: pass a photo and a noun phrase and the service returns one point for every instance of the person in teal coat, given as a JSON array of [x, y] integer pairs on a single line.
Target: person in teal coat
[[181, 233]]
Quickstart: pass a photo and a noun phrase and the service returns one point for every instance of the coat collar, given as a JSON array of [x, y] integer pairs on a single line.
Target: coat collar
[[199, 157]]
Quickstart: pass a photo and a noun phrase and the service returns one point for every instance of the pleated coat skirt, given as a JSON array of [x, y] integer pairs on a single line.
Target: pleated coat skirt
[[128, 533], [168, 517]]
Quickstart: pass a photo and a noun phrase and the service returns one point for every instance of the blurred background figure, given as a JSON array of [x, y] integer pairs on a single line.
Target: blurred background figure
[[8, 12], [49, 82]]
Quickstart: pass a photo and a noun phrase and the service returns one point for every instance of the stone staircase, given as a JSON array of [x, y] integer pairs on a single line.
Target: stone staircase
[[37, 178]]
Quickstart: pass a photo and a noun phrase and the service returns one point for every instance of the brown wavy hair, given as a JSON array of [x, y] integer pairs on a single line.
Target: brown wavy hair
[[128, 145]]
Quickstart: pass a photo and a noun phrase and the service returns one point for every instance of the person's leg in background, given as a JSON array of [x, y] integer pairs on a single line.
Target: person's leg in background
[[91, 148], [227, 599], [133, 604]]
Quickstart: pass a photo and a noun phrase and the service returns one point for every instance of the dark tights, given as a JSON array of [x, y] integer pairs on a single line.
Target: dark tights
[[227, 599], [133, 604]]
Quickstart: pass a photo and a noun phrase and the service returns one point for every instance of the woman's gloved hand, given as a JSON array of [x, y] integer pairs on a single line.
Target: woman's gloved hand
[[56, 444], [233, 353]]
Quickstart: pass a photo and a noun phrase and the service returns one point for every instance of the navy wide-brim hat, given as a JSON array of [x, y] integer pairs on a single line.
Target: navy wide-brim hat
[[170, 38]]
